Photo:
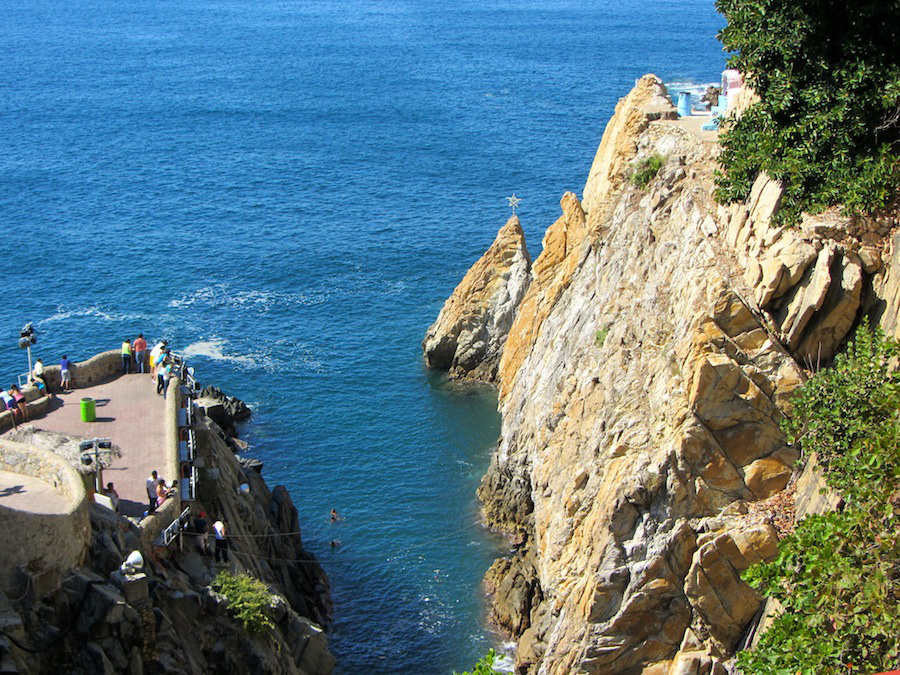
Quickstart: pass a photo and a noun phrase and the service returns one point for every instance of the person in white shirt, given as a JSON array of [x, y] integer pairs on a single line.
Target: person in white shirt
[[221, 540], [155, 352], [152, 482], [39, 378]]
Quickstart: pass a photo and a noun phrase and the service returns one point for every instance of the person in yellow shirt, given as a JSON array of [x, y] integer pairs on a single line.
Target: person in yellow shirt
[[126, 356]]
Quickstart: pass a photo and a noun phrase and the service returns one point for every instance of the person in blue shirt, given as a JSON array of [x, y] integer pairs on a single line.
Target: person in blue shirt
[[65, 373]]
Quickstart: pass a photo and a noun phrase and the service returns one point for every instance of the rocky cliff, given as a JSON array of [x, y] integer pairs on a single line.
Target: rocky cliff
[[89, 621], [641, 464], [468, 336]]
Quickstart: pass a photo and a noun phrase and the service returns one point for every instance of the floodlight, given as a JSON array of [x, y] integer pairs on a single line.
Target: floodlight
[[133, 564]]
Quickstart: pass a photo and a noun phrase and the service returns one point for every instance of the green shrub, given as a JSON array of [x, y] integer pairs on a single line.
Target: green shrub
[[248, 600], [485, 666], [600, 337], [838, 574], [646, 169], [826, 126]]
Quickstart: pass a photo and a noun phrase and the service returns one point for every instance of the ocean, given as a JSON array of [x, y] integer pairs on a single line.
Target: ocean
[[288, 191]]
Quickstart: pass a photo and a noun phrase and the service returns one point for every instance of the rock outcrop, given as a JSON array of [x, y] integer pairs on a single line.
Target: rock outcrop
[[223, 409], [642, 386], [808, 280], [471, 329]]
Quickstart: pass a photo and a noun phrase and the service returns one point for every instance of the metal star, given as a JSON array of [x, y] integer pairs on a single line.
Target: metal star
[[514, 202]]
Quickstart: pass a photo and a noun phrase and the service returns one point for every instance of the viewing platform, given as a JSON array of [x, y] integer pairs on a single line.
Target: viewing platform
[[45, 490], [132, 415]]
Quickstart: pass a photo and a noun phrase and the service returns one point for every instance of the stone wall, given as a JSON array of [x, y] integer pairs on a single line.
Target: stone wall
[[96, 369], [37, 404], [155, 523], [55, 539]]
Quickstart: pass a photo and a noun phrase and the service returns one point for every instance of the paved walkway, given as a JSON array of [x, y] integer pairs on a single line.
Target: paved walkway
[[131, 414], [25, 493]]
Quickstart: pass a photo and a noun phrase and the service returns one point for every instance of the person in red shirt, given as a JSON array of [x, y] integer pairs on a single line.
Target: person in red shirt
[[140, 351]]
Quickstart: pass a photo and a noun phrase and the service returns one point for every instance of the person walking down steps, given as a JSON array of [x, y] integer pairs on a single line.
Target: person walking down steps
[[221, 540]]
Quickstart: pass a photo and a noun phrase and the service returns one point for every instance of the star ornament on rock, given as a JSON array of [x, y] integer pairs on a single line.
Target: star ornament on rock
[[514, 202]]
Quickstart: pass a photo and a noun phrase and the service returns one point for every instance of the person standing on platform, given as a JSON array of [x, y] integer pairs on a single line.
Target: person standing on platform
[[162, 492], [21, 401], [9, 403], [126, 356], [161, 363], [40, 378], [166, 375], [140, 352], [65, 373], [156, 352], [201, 528], [152, 481]]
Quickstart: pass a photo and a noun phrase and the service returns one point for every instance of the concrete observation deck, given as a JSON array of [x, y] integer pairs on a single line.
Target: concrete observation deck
[[43, 494], [132, 415], [28, 493], [129, 412]]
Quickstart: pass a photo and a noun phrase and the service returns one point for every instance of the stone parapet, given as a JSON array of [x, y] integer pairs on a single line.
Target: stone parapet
[[54, 539], [101, 367], [96, 369], [154, 524]]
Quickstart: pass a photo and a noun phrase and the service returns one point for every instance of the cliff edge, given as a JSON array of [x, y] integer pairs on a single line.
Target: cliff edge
[[641, 464]]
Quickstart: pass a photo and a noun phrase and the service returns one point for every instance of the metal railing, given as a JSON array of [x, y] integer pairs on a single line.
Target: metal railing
[[170, 534]]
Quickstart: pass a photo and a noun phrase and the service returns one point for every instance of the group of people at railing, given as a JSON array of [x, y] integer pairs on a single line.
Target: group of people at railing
[[159, 361]]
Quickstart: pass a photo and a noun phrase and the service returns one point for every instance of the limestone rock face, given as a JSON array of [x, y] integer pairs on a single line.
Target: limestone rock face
[[471, 329], [807, 280], [641, 394], [645, 103], [565, 244], [723, 603], [642, 386]]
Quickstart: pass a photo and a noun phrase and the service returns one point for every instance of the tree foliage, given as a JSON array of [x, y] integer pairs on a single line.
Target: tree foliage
[[646, 169], [248, 598], [828, 122], [485, 666], [838, 574]]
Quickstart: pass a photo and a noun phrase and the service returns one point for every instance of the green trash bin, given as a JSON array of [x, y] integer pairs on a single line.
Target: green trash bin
[[88, 410]]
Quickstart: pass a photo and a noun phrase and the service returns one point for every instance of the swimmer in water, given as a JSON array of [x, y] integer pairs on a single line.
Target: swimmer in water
[[335, 543], [334, 516]]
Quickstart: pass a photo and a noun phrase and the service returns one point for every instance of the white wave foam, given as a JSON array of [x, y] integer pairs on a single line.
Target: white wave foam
[[214, 349], [64, 312], [505, 661], [217, 349], [222, 295]]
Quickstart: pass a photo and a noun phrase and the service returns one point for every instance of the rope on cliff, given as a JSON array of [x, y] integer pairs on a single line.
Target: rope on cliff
[[316, 562], [59, 636]]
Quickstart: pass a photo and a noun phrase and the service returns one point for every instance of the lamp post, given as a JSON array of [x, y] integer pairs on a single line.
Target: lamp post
[[92, 447], [28, 337]]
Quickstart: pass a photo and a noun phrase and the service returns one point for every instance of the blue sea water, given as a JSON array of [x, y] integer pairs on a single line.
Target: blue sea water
[[288, 190]]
